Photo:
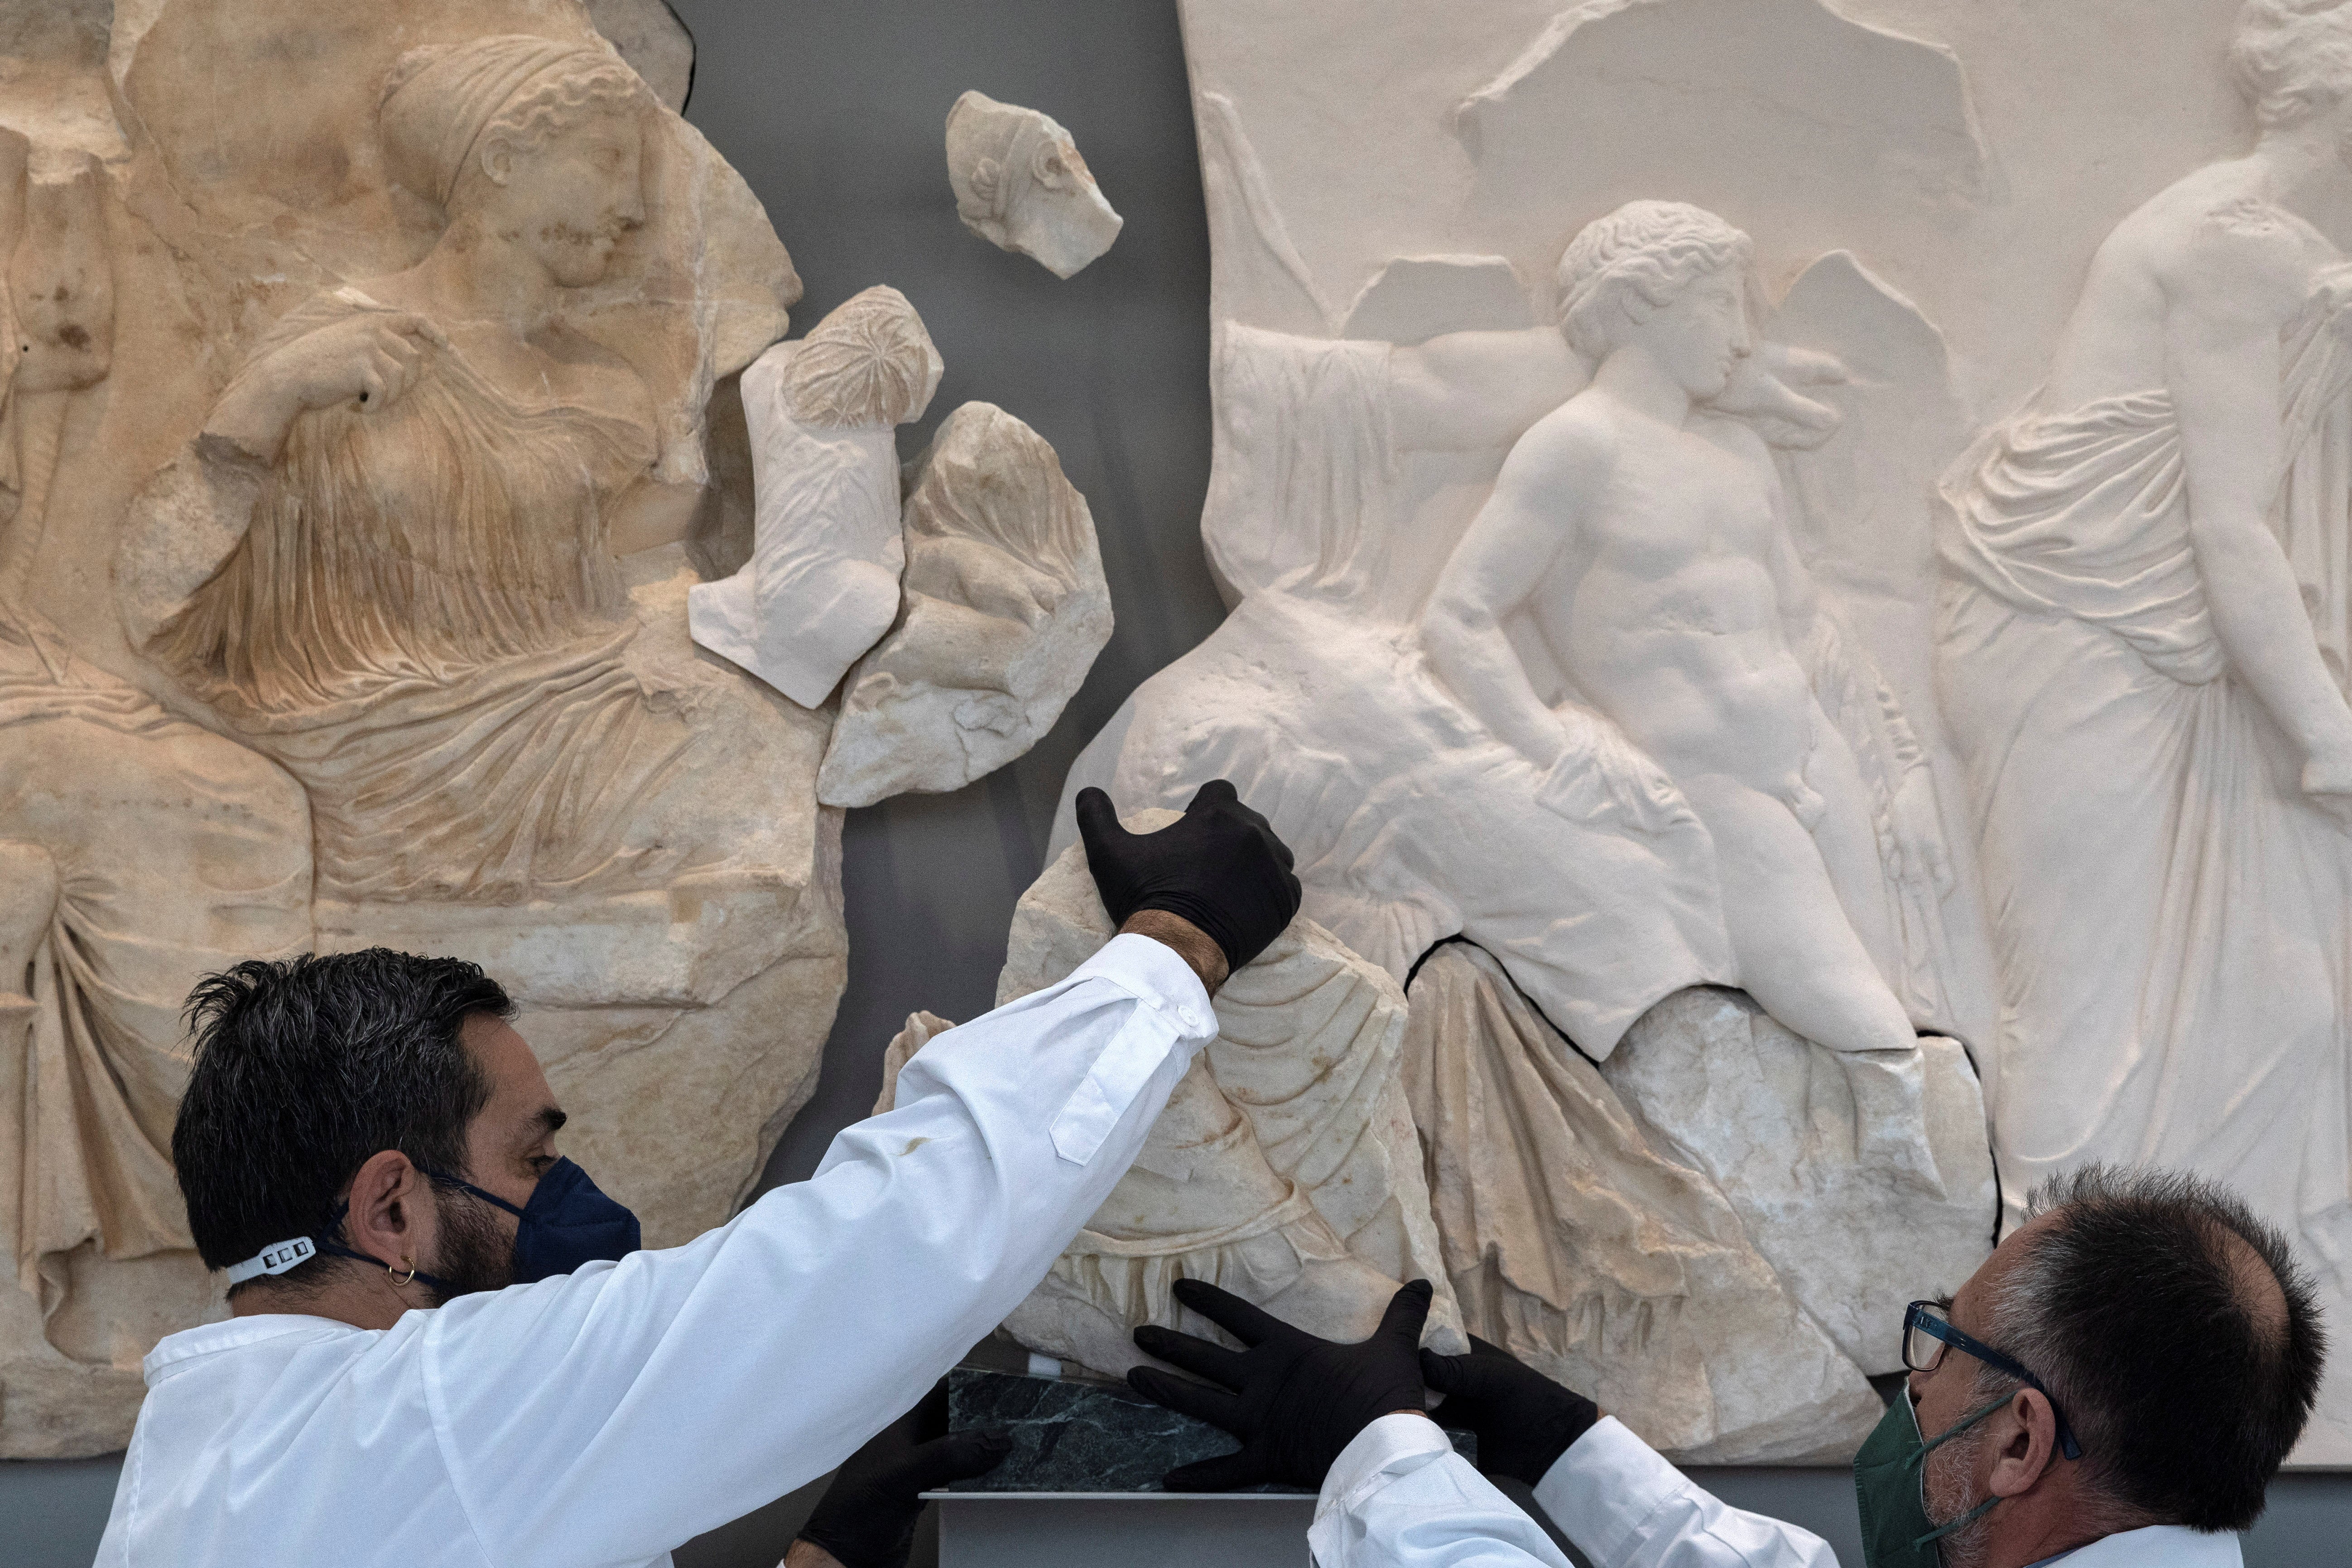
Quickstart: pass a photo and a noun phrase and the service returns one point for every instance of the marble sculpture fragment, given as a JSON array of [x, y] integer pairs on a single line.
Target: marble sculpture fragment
[[1021, 186], [1284, 1168], [1003, 609], [822, 584]]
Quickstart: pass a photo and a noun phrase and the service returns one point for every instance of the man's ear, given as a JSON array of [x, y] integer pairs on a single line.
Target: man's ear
[[391, 1217], [2025, 1442]]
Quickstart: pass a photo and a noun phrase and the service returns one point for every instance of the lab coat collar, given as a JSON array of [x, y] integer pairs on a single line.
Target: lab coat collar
[[2157, 1546], [176, 1352]]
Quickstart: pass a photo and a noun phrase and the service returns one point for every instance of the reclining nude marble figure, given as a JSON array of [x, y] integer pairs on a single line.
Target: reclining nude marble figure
[[1644, 536], [2143, 650]]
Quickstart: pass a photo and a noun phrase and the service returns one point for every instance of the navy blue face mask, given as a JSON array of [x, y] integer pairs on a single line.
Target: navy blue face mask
[[568, 1222]]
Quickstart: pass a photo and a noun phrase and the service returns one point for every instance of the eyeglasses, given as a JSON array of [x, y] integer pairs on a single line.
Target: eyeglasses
[[1927, 1328]]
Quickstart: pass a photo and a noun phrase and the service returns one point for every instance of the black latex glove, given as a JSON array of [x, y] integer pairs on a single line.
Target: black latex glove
[[1221, 868], [866, 1516], [1295, 1400], [1524, 1420]]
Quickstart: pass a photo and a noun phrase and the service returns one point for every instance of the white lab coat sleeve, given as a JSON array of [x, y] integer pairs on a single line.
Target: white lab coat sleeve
[[636, 1404], [1625, 1507], [1400, 1495]]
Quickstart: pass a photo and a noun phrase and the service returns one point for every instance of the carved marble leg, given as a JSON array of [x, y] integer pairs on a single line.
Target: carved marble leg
[[1797, 951]]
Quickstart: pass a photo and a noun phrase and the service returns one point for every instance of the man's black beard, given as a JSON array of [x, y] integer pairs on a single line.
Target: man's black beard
[[475, 1252]]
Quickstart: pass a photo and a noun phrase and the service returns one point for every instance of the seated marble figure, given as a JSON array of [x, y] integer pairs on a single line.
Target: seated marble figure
[[1643, 537], [1564, 688], [1624, 746], [388, 558]]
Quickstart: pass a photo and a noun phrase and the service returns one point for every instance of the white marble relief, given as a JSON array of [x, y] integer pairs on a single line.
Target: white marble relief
[[2074, 533], [2142, 643], [822, 584]]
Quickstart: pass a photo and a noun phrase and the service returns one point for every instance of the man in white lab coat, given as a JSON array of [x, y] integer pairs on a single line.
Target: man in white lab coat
[[2114, 1388], [445, 1348]]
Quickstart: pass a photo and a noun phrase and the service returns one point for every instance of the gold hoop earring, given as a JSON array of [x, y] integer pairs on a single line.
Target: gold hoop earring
[[398, 1279]]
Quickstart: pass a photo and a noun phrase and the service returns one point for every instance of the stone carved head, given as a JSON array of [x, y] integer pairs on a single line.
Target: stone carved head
[[2292, 58], [1021, 185], [535, 136], [1667, 274]]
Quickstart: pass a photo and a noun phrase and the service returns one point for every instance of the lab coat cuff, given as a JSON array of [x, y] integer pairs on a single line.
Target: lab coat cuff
[[1390, 1447], [1606, 1488], [1149, 970], [1176, 1017]]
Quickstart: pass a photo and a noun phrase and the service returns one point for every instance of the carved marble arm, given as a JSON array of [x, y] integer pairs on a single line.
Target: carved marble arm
[[182, 525], [1508, 548], [1763, 393], [2222, 342], [1468, 390], [368, 359]]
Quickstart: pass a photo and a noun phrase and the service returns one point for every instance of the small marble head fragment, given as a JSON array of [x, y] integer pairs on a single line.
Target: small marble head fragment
[[1021, 185]]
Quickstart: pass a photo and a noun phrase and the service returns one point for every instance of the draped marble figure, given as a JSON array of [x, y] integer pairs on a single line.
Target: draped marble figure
[[387, 559], [136, 850], [2142, 643]]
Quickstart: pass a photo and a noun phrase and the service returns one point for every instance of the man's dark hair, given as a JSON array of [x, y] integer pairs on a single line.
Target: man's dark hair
[[2178, 1335], [307, 1067]]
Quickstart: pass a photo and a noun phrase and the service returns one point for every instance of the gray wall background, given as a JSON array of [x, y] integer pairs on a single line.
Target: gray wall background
[[834, 112]]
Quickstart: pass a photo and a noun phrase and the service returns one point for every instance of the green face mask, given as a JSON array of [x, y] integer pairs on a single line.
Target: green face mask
[[1890, 1481]]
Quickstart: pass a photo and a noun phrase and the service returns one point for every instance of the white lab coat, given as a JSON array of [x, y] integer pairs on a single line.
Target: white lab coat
[[604, 1417], [1398, 1497]]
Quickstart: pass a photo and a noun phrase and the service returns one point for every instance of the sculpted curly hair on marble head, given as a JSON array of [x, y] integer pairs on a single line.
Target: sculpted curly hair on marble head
[[1621, 267]]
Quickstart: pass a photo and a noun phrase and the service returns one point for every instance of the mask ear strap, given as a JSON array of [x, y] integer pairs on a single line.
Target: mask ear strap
[[329, 1247], [1919, 1460], [469, 1187], [1971, 1516], [1955, 1429]]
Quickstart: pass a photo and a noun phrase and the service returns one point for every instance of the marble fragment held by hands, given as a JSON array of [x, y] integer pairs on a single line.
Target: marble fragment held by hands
[[1004, 612], [1283, 1167], [1021, 186], [823, 581]]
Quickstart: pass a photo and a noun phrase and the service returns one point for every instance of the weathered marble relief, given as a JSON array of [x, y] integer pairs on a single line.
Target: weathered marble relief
[[1003, 610], [353, 425], [1021, 185], [1285, 1167]]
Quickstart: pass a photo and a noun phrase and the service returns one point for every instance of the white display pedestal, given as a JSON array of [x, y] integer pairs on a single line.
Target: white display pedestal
[[1122, 1530]]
